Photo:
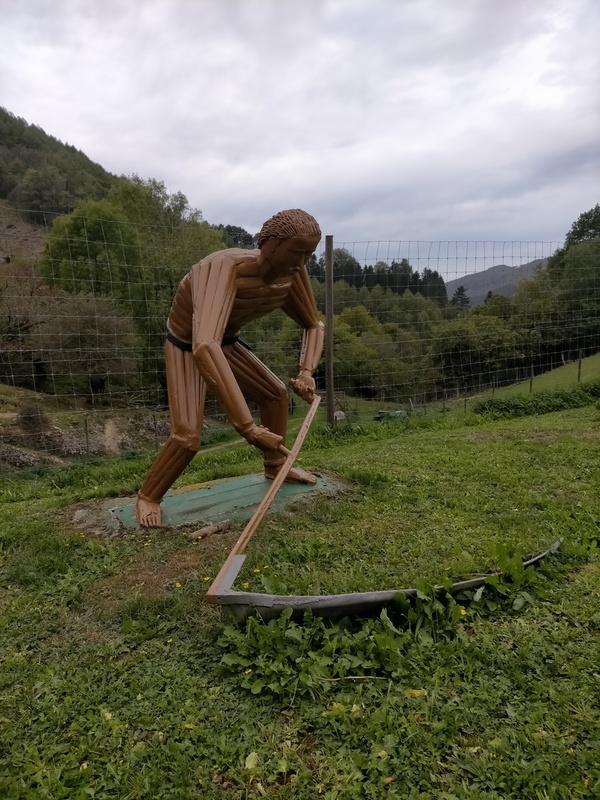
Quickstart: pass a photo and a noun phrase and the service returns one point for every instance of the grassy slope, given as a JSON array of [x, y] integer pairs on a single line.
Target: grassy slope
[[563, 377], [111, 681]]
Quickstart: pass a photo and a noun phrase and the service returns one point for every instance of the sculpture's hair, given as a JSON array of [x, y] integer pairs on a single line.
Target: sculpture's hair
[[285, 224]]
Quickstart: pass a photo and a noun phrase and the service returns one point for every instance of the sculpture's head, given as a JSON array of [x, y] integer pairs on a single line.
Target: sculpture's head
[[288, 239], [285, 224]]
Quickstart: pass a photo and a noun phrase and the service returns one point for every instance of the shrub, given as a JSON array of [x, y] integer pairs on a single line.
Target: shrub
[[541, 403]]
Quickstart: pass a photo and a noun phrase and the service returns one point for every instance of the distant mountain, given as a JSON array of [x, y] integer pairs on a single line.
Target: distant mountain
[[500, 279], [41, 174]]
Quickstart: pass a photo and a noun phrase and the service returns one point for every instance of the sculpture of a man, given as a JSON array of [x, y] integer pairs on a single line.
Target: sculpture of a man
[[214, 300]]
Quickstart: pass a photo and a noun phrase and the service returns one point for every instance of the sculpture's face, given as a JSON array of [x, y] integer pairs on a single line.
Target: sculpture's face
[[288, 256]]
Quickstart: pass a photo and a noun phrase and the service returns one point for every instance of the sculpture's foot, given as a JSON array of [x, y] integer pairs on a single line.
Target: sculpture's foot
[[295, 475], [147, 513]]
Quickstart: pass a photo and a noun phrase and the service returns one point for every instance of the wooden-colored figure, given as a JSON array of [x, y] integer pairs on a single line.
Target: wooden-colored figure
[[214, 300]]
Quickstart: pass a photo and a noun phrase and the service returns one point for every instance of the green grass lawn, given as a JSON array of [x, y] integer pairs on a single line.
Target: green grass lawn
[[563, 377], [117, 680]]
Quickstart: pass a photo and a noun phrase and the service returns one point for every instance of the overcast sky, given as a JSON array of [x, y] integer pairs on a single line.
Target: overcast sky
[[386, 119]]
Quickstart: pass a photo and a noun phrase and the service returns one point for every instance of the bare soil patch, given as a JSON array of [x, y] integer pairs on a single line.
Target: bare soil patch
[[147, 576]]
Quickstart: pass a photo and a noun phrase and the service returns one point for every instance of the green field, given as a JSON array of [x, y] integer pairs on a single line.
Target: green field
[[560, 378], [117, 680]]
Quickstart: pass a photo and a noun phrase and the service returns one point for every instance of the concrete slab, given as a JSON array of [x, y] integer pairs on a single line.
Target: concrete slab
[[230, 498]]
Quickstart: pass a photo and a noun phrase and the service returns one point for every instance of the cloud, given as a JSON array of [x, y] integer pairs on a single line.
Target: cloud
[[422, 119]]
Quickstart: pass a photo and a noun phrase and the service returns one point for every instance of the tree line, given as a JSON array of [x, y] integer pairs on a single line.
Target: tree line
[[394, 343], [88, 318]]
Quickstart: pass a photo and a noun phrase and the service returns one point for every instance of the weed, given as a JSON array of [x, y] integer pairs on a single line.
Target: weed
[[292, 659]]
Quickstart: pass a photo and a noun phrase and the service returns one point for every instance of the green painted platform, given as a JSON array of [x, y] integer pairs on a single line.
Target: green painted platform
[[232, 498]]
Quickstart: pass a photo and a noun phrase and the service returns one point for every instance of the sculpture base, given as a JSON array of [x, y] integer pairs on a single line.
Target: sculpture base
[[230, 498]]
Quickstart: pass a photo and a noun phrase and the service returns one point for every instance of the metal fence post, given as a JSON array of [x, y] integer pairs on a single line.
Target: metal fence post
[[329, 387]]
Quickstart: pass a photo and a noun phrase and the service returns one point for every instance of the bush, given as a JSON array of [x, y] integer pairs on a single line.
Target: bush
[[542, 403]]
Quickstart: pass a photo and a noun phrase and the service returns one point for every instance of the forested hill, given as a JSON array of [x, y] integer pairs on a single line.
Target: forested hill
[[41, 174]]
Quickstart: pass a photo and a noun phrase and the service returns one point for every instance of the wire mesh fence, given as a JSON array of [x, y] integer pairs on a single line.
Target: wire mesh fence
[[84, 300]]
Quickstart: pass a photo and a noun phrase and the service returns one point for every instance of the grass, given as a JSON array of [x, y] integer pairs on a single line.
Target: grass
[[564, 377], [118, 681]]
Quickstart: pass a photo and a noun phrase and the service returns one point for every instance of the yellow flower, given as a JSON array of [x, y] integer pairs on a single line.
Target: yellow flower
[[265, 566], [256, 571], [245, 585], [206, 578], [462, 612], [178, 585], [247, 671], [169, 641]]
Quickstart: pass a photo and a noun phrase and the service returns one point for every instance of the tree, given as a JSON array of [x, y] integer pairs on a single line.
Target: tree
[[474, 348], [495, 305], [76, 342], [25, 302], [41, 192], [401, 277], [97, 250], [369, 277], [94, 250], [316, 268], [460, 297], [88, 345], [381, 271], [345, 267], [431, 285], [172, 236], [235, 236], [579, 296], [585, 227]]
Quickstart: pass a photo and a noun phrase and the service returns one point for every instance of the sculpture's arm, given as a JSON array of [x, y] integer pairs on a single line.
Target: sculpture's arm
[[302, 308], [213, 295]]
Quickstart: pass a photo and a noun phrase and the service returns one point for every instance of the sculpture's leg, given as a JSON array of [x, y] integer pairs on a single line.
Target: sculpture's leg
[[186, 408], [262, 386]]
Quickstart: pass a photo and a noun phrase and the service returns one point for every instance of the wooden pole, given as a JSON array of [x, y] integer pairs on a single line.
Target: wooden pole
[[329, 387]]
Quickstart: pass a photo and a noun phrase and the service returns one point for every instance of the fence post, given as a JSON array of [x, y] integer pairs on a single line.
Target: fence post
[[87, 435], [329, 387], [531, 380], [579, 366]]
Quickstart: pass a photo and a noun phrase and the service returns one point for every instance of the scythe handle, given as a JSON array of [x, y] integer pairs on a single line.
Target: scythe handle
[[265, 503]]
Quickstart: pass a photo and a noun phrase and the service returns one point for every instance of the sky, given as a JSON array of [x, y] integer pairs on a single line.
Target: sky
[[388, 120]]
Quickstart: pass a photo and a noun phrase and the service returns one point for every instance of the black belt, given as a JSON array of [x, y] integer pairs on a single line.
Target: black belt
[[187, 346]]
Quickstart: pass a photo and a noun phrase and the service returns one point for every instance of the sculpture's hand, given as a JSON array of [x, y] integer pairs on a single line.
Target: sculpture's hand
[[262, 437], [304, 386]]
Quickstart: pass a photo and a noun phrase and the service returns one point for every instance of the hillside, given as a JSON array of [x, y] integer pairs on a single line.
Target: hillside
[[42, 174], [20, 240], [499, 279]]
